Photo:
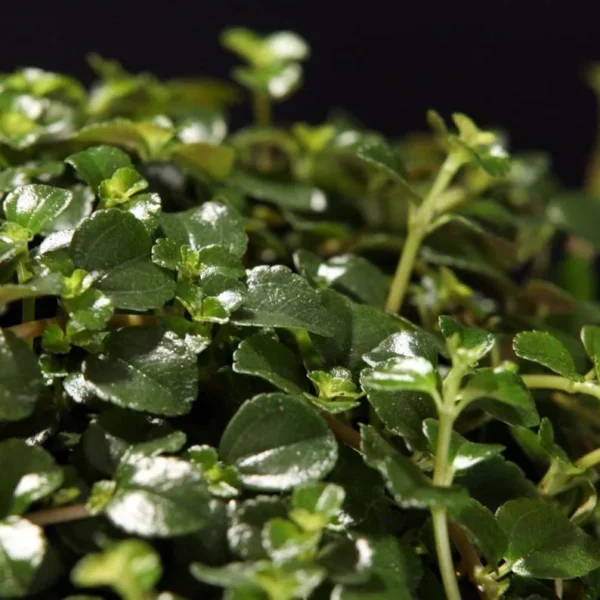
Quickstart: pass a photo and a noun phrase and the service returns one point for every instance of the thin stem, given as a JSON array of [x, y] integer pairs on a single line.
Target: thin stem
[[34, 329], [562, 384], [262, 109], [567, 402], [589, 460], [444, 553], [61, 514], [417, 228], [342, 432]]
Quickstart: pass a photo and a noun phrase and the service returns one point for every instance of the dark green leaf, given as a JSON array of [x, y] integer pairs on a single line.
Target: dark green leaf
[[405, 344], [29, 474], [48, 285], [482, 528], [159, 497], [263, 356], [98, 163], [409, 487], [503, 395], [543, 543], [116, 248], [590, 336], [279, 298], [576, 213], [209, 224], [468, 344], [543, 348], [144, 368], [35, 206], [289, 445], [20, 378]]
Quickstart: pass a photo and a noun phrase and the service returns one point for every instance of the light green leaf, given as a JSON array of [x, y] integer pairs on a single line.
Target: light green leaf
[[144, 368], [590, 336], [263, 356], [29, 474], [504, 395], [210, 160], [407, 484], [159, 497], [115, 248], [290, 444], [130, 567], [543, 348], [336, 389], [124, 183], [91, 310], [277, 80], [277, 297], [468, 344], [415, 374], [20, 378], [285, 542], [80, 207], [35, 206], [23, 548], [543, 543], [209, 224], [316, 505], [98, 163]]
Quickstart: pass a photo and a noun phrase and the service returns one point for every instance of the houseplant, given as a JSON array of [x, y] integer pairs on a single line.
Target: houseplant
[[287, 362]]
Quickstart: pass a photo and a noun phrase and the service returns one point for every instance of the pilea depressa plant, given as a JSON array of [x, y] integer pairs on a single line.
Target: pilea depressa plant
[[288, 361]]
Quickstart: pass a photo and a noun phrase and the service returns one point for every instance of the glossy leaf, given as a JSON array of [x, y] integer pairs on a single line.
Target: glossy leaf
[[159, 497], [29, 474], [469, 344], [544, 349], [20, 378], [279, 298], [315, 505], [98, 163], [406, 344], [144, 368], [35, 206], [543, 543], [263, 356], [290, 444], [590, 336], [116, 248]]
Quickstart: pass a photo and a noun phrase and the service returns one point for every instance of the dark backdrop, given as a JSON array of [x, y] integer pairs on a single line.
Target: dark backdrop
[[514, 63]]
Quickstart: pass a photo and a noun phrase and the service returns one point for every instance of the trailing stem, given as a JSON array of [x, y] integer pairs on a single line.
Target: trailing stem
[[417, 229]]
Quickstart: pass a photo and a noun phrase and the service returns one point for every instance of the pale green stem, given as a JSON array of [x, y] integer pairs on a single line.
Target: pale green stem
[[262, 109], [591, 459], [562, 384], [417, 228]]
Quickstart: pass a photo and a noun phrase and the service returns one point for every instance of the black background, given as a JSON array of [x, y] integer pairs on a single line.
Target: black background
[[512, 63]]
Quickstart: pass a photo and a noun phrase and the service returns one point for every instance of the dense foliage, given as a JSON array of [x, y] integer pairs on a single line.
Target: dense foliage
[[288, 362]]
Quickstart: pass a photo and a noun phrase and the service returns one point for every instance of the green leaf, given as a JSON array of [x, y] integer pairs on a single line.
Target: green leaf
[[144, 368], [90, 311], [245, 532], [407, 344], [159, 497], [415, 374], [315, 505], [117, 433], [336, 388], [222, 480], [124, 183], [277, 81], [504, 396], [577, 213], [29, 474], [543, 348], [543, 543], [590, 336], [35, 206], [23, 548], [130, 567], [407, 484], [79, 208], [285, 542], [48, 285], [383, 157], [263, 356], [279, 298], [289, 445], [396, 574], [211, 223], [482, 528], [293, 196], [98, 163], [20, 378], [462, 454], [214, 161], [468, 344], [147, 208], [115, 247], [356, 329], [356, 277]]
